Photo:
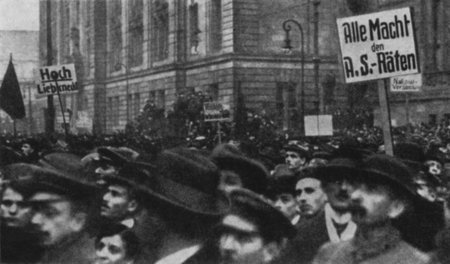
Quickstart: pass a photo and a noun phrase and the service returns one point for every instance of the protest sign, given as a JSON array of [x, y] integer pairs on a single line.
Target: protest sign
[[61, 77], [215, 111], [319, 125], [378, 45]]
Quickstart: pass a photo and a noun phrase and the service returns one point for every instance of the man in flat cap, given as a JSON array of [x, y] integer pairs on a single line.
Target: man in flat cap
[[183, 202], [61, 205], [381, 193], [253, 232], [296, 157]]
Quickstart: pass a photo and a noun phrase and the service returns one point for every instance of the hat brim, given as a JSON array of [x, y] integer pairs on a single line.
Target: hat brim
[[175, 194], [112, 155]]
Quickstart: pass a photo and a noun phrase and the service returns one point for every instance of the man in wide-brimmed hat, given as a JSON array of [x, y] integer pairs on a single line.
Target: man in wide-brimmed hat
[[239, 171], [253, 232], [381, 193], [62, 199], [281, 191], [183, 202]]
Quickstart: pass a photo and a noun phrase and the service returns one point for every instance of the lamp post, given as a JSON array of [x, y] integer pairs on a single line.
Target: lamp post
[[287, 46], [118, 65]]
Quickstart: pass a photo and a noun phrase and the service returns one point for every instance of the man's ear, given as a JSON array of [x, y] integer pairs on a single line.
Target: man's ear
[[397, 207], [271, 251], [132, 206], [78, 221]]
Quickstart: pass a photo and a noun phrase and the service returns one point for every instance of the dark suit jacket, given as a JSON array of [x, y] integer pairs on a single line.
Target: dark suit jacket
[[311, 235]]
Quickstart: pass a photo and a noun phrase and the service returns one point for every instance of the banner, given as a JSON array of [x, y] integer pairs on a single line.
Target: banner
[[215, 111], [319, 125], [378, 45], [11, 100]]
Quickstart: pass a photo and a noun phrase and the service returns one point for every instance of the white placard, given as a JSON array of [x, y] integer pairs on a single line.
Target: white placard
[[378, 45], [406, 83], [319, 125], [63, 75]]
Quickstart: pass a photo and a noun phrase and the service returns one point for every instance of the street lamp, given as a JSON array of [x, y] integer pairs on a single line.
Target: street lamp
[[118, 66], [287, 46]]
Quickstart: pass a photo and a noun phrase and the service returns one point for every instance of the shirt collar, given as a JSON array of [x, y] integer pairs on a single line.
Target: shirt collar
[[180, 256]]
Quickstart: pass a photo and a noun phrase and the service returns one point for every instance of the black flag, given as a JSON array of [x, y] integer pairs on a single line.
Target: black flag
[[10, 96]]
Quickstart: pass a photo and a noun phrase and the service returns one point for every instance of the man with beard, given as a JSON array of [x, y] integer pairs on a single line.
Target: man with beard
[[18, 243], [182, 203], [332, 223], [62, 207], [253, 232], [381, 193]]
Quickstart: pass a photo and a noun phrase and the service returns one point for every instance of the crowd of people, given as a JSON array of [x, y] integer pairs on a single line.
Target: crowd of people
[[116, 199]]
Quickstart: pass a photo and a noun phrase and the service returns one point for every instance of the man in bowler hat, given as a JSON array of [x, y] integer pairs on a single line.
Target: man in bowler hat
[[183, 202], [381, 193], [61, 205]]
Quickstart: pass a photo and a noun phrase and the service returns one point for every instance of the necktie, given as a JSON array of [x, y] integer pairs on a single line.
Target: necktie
[[339, 227]]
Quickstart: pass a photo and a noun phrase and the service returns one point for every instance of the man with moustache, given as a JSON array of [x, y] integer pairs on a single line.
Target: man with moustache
[[18, 243], [381, 193], [332, 223], [62, 207]]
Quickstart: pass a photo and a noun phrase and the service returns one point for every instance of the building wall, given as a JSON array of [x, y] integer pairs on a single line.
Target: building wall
[[243, 50]]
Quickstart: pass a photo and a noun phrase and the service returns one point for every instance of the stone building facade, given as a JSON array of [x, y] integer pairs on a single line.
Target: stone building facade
[[128, 52]]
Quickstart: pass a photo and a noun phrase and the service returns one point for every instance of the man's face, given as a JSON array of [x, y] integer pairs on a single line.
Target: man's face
[[241, 242], [338, 193], [117, 202], [310, 196], [27, 149], [434, 167], [286, 203], [54, 219], [105, 169], [15, 211], [373, 203], [294, 160], [110, 250], [229, 181]]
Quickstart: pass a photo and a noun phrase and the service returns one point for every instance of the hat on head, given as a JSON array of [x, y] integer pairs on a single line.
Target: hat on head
[[20, 177], [411, 154], [187, 180], [282, 180], [385, 168], [117, 156], [252, 173], [272, 224], [297, 148], [64, 173]]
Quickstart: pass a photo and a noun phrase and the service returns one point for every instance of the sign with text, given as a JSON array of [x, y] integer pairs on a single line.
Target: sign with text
[[319, 125], [61, 77], [83, 121], [215, 111], [378, 45], [406, 83]]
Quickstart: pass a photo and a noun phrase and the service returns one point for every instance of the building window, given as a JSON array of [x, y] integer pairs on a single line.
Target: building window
[[160, 17], [136, 105], [161, 99], [136, 32], [213, 91], [286, 104], [115, 34], [194, 30], [215, 34]]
